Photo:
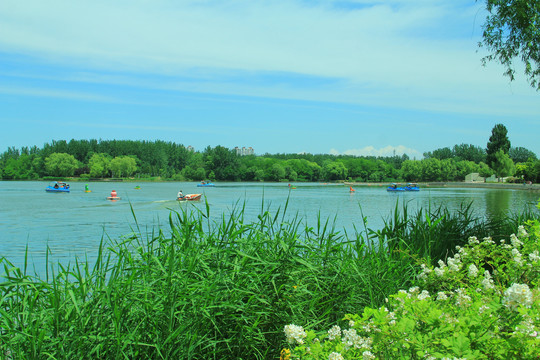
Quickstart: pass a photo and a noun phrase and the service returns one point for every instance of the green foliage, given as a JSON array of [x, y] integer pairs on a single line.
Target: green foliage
[[529, 171], [497, 141], [512, 31], [469, 152], [169, 160], [222, 162], [334, 170], [482, 303], [503, 165], [61, 164], [521, 154], [123, 166], [460, 152], [99, 165]]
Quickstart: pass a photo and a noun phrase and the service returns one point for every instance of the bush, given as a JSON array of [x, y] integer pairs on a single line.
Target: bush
[[482, 303]]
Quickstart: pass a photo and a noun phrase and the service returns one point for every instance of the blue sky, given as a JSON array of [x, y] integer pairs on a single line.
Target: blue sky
[[362, 77]]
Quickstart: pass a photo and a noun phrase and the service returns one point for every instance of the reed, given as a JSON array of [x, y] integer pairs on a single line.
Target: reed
[[224, 290], [433, 233]]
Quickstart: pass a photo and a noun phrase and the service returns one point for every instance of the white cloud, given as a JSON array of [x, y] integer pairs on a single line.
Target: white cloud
[[381, 53], [382, 152]]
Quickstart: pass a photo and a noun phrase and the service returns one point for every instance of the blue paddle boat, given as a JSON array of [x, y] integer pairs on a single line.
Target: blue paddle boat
[[58, 186], [205, 184], [412, 187], [394, 188]]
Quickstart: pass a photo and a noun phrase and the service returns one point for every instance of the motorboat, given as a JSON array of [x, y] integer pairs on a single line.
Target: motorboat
[[189, 197]]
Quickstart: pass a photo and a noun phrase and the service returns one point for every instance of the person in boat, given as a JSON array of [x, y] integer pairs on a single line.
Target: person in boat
[[56, 186], [180, 195]]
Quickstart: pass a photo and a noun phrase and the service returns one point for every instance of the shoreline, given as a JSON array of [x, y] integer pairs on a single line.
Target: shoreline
[[422, 185], [439, 184]]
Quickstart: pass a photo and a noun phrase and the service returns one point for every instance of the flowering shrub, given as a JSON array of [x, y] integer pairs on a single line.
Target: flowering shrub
[[481, 303]]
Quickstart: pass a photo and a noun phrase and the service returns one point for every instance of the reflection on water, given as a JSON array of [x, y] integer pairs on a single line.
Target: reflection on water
[[497, 204]]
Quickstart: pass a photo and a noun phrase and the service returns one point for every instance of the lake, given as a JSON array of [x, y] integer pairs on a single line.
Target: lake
[[73, 224]]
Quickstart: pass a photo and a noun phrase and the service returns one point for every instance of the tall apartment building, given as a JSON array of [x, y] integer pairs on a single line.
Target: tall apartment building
[[244, 151]]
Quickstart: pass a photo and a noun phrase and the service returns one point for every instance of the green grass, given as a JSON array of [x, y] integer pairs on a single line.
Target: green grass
[[202, 290]]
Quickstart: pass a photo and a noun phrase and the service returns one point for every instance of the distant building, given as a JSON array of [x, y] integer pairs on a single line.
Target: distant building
[[474, 177], [190, 148], [244, 151]]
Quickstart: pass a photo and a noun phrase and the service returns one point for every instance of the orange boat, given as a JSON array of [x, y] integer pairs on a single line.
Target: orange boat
[[190, 197]]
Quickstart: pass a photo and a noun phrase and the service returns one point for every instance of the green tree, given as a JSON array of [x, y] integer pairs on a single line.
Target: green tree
[[497, 141], [61, 164], [431, 169], [222, 162], [465, 168], [334, 170], [411, 170], [484, 170], [38, 164], [441, 154], [512, 31], [277, 172], [469, 152], [448, 170], [520, 154], [99, 165], [503, 166], [123, 166], [259, 175], [528, 170]]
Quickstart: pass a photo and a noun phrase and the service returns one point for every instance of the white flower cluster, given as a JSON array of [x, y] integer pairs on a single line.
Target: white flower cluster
[[352, 339], [517, 256], [334, 333], [487, 282], [367, 355], [473, 240], [295, 333], [488, 240], [441, 296], [335, 356], [522, 232], [515, 241], [424, 295], [462, 298], [534, 256], [454, 264], [516, 295], [473, 271], [527, 327], [425, 272]]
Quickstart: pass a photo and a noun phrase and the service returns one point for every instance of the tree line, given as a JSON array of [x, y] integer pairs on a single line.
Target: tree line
[[97, 159]]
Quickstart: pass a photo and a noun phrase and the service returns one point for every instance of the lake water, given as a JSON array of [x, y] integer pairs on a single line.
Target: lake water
[[72, 224]]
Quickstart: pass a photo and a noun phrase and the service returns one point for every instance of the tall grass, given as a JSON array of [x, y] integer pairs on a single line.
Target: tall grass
[[433, 233], [224, 290]]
